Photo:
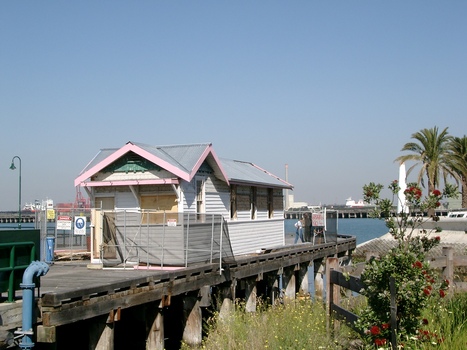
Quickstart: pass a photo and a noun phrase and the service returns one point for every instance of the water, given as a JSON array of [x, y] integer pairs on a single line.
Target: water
[[363, 229]]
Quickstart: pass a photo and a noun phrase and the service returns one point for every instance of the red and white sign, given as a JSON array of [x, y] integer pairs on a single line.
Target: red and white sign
[[317, 219], [171, 222], [64, 222]]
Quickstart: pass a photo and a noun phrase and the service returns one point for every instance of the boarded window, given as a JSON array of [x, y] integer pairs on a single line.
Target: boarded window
[[154, 206]]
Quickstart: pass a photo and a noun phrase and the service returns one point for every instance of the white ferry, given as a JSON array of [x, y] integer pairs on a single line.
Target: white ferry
[[456, 220], [458, 213]]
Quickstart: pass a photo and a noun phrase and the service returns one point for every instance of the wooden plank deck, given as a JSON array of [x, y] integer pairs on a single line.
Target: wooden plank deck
[[70, 292]]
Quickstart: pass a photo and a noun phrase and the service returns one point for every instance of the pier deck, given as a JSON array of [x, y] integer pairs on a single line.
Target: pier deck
[[71, 292]]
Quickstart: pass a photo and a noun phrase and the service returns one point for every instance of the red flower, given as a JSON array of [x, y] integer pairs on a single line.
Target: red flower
[[426, 291], [417, 264], [442, 294], [436, 193], [438, 204], [425, 321], [385, 326], [438, 238], [380, 342], [375, 330]]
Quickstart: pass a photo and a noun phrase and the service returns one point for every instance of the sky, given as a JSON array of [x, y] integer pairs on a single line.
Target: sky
[[333, 89]]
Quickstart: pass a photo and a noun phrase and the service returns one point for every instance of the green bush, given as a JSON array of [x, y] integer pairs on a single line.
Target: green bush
[[415, 282]]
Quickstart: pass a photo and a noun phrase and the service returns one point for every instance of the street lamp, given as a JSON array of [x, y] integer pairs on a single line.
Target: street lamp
[[12, 167]]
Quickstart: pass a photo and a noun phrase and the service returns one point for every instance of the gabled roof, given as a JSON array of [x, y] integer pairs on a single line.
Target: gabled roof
[[183, 161]]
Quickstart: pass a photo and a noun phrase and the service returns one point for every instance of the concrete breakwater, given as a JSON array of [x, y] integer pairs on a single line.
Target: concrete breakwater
[[448, 238]]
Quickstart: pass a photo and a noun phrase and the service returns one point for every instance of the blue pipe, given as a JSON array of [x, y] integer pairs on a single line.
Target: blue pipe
[[35, 269]]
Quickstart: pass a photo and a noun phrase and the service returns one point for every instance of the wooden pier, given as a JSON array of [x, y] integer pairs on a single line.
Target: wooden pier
[[80, 307]]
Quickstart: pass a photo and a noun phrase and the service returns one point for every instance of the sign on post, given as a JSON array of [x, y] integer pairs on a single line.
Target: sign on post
[[317, 219], [64, 222], [80, 225]]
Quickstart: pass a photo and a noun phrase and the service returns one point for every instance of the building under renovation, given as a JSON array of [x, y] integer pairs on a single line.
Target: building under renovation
[[178, 205]]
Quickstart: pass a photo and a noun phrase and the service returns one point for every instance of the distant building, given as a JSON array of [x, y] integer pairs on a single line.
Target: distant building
[[182, 179]]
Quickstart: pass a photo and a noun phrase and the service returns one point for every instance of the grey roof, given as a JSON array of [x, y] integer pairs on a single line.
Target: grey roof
[[185, 158], [241, 172]]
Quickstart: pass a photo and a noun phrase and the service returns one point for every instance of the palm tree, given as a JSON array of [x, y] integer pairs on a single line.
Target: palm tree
[[458, 163], [431, 152]]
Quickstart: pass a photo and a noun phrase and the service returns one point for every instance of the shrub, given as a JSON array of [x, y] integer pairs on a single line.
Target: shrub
[[415, 281]]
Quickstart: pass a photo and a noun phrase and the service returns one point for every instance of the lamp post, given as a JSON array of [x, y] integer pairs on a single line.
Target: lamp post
[[12, 167]]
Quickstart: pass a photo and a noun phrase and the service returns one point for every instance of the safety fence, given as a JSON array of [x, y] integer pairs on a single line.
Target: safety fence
[[154, 238]]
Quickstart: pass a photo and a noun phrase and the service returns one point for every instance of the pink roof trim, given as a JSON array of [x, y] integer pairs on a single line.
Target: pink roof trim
[[130, 147], [129, 183], [207, 151], [271, 174], [119, 153]]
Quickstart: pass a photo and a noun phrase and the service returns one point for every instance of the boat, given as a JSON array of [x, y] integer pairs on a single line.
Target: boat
[[350, 203], [455, 220], [458, 214]]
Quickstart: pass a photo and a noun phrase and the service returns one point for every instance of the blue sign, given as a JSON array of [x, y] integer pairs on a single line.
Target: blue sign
[[80, 225]]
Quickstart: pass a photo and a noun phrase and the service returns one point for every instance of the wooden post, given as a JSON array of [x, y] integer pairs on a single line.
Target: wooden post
[[193, 320], [303, 279], [288, 280], [101, 334], [319, 288], [227, 294], [448, 271], [250, 295], [332, 291], [155, 338]]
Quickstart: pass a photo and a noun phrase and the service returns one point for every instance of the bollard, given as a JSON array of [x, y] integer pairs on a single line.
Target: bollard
[[49, 255]]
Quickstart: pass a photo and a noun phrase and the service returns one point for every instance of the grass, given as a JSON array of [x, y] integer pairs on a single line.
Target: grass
[[301, 324], [298, 324]]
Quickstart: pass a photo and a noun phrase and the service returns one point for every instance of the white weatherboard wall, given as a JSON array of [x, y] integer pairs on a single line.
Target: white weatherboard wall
[[216, 196], [125, 200], [249, 236]]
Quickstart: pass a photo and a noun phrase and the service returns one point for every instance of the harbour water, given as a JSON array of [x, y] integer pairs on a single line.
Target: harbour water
[[363, 229]]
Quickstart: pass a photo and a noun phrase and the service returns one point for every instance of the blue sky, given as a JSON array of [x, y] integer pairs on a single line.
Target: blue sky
[[334, 89]]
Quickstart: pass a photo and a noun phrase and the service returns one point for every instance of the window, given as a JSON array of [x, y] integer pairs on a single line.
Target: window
[[253, 202], [233, 202], [270, 203]]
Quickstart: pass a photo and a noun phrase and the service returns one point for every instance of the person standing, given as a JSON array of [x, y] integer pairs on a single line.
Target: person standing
[[298, 231]]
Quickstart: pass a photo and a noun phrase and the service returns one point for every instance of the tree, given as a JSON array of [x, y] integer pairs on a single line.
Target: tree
[[432, 153], [457, 161]]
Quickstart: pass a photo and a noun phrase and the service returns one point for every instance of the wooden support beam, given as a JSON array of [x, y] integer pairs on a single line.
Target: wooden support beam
[[250, 295], [193, 321], [227, 295], [303, 279], [289, 283], [101, 334], [46, 334], [155, 338]]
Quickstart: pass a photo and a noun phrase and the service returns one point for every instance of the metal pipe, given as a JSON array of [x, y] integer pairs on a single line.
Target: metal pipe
[[35, 269]]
